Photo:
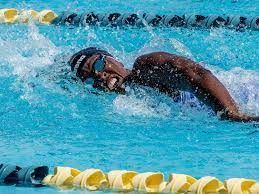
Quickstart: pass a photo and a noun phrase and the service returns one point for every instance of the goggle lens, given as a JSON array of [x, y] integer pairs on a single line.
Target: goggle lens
[[99, 64]]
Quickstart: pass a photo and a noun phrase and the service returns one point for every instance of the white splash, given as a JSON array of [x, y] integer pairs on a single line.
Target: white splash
[[141, 103], [243, 85], [181, 48], [26, 55]]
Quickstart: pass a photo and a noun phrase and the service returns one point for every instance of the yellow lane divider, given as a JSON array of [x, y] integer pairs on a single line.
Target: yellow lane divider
[[46, 16], [26, 15], [179, 183], [8, 15], [12, 15], [149, 182], [240, 185], [121, 180]]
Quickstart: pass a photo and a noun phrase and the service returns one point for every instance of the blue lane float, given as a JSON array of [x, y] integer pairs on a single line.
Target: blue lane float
[[239, 23]]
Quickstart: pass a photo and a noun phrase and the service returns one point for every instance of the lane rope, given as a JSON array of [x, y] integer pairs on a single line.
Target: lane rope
[[148, 182], [27, 176], [239, 23], [66, 178]]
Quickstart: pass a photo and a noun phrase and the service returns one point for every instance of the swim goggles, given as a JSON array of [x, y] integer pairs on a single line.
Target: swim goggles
[[97, 66]]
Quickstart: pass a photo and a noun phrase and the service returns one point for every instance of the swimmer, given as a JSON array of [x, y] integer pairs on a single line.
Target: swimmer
[[166, 72]]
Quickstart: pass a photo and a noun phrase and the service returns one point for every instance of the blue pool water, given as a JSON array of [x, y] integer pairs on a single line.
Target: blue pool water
[[47, 118]]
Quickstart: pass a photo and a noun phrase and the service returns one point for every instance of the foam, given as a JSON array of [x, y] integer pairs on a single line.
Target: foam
[[141, 102], [243, 85], [30, 53]]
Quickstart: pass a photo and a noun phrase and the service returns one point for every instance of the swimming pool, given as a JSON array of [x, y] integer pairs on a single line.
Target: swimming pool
[[46, 118]]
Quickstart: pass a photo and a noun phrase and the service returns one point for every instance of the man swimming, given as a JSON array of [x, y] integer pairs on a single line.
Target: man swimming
[[166, 72]]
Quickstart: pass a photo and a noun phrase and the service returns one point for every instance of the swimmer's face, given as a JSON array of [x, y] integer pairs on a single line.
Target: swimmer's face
[[107, 73]]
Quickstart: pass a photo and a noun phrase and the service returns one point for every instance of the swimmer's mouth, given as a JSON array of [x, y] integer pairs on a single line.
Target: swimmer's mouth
[[112, 83], [116, 85]]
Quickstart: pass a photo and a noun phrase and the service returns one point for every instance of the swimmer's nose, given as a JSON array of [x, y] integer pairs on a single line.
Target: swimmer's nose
[[102, 75], [109, 81], [101, 80]]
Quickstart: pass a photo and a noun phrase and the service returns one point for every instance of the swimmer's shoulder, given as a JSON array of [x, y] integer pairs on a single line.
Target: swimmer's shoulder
[[150, 59], [159, 59], [154, 57]]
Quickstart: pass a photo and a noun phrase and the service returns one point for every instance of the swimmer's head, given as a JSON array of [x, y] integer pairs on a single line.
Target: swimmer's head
[[100, 67]]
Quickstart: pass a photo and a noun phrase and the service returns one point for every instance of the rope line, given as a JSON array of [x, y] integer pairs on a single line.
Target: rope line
[[122, 181], [27, 176], [141, 20], [239, 23], [148, 182]]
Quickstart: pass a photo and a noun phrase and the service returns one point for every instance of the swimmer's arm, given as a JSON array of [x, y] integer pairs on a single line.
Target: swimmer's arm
[[203, 83], [239, 117], [211, 87]]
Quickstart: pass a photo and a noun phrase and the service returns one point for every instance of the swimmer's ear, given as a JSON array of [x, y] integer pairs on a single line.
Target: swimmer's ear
[[88, 65], [85, 69]]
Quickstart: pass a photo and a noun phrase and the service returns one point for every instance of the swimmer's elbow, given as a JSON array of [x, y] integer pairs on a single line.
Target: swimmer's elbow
[[243, 118], [251, 119]]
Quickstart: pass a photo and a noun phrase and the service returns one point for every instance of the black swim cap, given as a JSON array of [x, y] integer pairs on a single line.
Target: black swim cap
[[78, 59]]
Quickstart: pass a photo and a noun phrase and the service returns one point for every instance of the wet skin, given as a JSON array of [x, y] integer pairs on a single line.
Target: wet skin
[[170, 73]]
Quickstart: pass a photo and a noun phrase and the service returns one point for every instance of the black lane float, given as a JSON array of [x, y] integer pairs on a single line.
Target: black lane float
[[141, 20], [28, 176]]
